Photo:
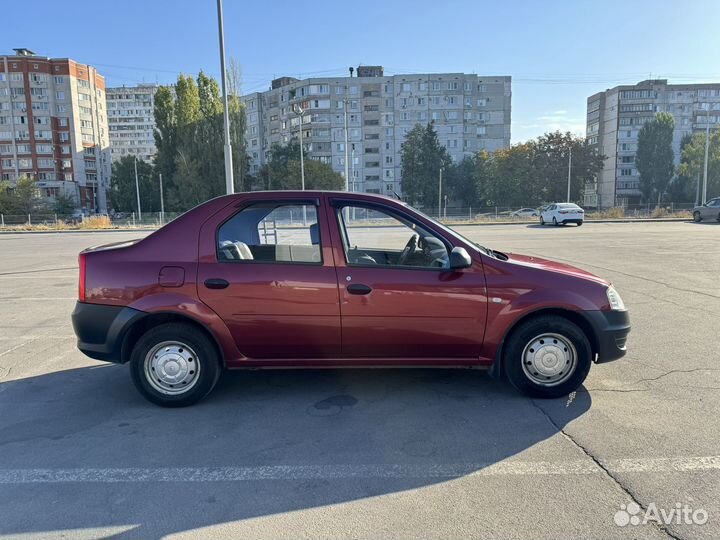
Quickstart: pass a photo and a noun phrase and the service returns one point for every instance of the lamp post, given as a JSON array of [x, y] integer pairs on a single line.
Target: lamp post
[[440, 195], [299, 111], [229, 182], [707, 149], [137, 192], [569, 172]]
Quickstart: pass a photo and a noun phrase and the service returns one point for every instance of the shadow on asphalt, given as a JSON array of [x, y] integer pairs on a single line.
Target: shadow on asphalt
[[93, 418], [550, 226]]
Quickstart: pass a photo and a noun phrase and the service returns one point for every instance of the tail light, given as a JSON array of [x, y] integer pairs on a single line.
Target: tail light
[[81, 277], [564, 211]]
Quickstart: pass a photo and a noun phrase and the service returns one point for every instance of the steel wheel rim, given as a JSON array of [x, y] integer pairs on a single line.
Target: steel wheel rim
[[172, 368], [549, 359]]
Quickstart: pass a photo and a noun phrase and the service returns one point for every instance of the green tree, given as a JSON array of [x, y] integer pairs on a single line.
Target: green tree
[[25, 195], [190, 140], [283, 170], [64, 205], [6, 198], [655, 156], [123, 194], [422, 158], [463, 185], [693, 163]]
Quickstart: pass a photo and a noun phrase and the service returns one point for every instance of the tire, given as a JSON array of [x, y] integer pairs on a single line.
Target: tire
[[185, 356], [555, 221], [579, 223], [718, 218], [542, 221], [697, 218], [566, 348]]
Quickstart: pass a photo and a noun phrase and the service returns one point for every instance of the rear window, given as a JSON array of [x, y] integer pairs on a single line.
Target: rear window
[[271, 233]]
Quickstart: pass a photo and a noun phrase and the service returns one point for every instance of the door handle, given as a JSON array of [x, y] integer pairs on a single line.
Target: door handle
[[216, 283], [359, 288]]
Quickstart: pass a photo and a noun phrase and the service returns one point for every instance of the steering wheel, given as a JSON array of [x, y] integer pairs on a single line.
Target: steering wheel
[[409, 249]]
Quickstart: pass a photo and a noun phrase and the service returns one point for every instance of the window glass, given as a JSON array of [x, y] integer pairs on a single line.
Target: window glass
[[373, 237], [271, 233]]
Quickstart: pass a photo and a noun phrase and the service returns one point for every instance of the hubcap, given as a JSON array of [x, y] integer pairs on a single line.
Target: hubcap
[[549, 359], [171, 367]]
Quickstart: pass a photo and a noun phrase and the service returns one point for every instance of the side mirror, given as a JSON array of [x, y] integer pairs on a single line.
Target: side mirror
[[459, 258]]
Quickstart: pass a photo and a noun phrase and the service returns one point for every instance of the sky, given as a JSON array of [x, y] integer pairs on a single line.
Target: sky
[[557, 52]]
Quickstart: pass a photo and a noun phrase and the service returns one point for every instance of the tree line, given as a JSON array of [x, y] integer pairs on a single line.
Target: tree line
[[530, 173]]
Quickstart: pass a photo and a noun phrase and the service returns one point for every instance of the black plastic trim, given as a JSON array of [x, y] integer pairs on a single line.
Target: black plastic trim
[[611, 329], [100, 329]]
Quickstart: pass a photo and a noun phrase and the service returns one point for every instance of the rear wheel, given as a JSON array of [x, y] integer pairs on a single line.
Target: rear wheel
[[547, 357], [579, 223], [697, 218], [174, 365], [718, 218], [542, 221], [555, 221]]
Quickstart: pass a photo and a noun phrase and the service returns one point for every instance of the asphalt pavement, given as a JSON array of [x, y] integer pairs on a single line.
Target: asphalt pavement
[[406, 453]]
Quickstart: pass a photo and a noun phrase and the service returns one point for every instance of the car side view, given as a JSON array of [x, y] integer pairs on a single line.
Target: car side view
[[710, 211], [562, 214], [334, 279]]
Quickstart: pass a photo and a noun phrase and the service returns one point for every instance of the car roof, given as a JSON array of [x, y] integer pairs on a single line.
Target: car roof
[[300, 194]]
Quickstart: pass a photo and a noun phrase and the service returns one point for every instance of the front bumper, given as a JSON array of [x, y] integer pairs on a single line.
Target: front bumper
[[100, 329], [611, 329]]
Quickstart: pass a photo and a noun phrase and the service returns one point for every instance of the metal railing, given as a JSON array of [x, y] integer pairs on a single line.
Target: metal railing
[[293, 217]]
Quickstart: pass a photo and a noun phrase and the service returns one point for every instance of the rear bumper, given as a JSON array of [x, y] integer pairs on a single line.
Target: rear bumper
[[611, 330], [100, 329], [571, 220]]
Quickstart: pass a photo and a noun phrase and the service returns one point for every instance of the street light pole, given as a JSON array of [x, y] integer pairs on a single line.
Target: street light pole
[[707, 148], [298, 110], [440, 195], [229, 182], [569, 171], [137, 191], [347, 165]]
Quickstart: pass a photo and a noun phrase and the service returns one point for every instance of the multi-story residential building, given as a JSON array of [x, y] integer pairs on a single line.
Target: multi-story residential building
[[614, 120], [53, 127], [131, 121], [470, 113]]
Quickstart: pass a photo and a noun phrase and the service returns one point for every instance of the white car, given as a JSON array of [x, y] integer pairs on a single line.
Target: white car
[[525, 212], [562, 213]]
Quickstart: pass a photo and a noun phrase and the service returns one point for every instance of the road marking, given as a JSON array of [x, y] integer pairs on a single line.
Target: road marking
[[35, 299], [339, 472]]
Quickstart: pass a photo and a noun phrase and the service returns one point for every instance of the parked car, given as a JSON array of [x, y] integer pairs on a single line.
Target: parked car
[[525, 212], [562, 214], [308, 279], [710, 210]]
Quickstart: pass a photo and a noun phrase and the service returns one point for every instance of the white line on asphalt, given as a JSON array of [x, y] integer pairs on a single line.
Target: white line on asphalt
[[36, 299], [336, 472]]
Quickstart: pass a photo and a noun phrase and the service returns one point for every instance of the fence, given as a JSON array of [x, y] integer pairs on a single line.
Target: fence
[[295, 217]]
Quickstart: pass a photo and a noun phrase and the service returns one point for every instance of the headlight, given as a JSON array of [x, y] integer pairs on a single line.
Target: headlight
[[613, 297]]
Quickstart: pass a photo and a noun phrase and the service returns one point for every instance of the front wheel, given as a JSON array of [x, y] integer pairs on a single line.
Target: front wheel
[[547, 357], [174, 365], [697, 218], [579, 223]]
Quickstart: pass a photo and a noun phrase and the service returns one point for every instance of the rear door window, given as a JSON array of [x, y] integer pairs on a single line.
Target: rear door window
[[271, 233]]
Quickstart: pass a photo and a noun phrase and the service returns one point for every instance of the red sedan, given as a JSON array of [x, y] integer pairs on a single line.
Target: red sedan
[[326, 279]]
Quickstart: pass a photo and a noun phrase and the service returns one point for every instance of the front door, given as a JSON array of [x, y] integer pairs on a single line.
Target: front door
[[270, 276], [398, 296]]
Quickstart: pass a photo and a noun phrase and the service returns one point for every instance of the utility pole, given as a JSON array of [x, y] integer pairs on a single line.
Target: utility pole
[[229, 182], [162, 202], [569, 171], [347, 165], [440, 195], [299, 111], [137, 191], [707, 148]]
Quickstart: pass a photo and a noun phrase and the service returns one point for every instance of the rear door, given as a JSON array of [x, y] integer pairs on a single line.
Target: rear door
[[398, 297], [266, 267]]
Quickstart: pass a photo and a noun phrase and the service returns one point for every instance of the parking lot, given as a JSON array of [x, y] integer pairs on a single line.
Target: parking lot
[[406, 453]]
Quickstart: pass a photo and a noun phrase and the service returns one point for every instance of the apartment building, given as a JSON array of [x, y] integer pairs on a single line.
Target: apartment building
[[470, 113], [131, 121], [614, 120], [53, 127]]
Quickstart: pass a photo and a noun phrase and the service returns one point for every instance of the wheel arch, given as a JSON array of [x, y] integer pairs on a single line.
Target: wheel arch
[[152, 320], [575, 317]]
